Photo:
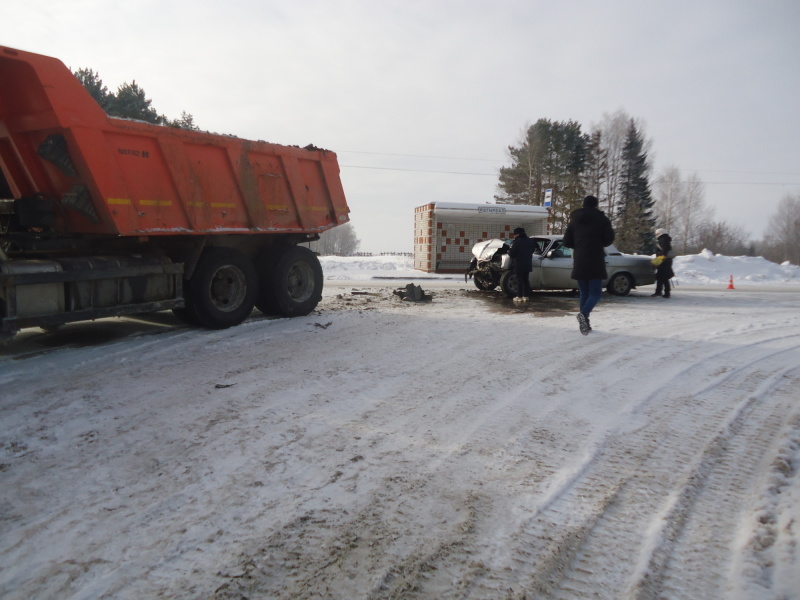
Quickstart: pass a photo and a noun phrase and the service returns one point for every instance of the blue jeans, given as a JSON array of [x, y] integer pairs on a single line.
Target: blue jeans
[[591, 291]]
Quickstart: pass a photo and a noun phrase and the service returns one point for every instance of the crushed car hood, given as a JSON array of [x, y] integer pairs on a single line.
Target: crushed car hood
[[485, 250]]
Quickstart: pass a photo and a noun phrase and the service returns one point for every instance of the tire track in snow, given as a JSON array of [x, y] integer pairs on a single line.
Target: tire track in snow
[[627, 476], [614, 538], [706, 519], [598, 524]]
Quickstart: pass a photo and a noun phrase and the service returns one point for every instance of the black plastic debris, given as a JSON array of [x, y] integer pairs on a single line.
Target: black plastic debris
[[413, 293]]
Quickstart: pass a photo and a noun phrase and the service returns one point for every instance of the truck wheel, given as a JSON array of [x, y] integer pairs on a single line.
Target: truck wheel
[[222, 291], [509, 284], [483, 283], [620, 284], [295, 284]]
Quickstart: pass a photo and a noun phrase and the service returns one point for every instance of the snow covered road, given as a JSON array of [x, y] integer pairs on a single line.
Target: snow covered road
[[463, 448]]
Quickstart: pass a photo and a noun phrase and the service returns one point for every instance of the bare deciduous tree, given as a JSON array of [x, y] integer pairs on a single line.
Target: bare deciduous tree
[[782, 240], [722, 238], [613, 134], [668, 193], [339, 241], [691, 215]]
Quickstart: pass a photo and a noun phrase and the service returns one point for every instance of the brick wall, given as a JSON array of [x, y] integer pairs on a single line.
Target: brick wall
[[424, 224], [446, 246]]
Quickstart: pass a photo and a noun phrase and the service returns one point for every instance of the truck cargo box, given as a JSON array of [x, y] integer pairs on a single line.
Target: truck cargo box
[[129, 178]]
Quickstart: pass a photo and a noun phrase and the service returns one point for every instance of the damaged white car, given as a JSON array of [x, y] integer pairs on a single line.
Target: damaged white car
[[552, 267]]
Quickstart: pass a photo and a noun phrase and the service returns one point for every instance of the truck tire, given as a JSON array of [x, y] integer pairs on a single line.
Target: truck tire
[[509, 284], [223, 289], [294, 284]]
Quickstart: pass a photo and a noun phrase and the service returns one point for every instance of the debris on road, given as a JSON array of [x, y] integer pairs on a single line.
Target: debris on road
[[413, 293]]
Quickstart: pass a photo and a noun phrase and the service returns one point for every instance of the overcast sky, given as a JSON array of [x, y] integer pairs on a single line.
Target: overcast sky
[[420, 98]]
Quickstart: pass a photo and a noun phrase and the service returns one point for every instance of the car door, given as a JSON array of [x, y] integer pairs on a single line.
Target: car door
[[536, 268], [557, 268]]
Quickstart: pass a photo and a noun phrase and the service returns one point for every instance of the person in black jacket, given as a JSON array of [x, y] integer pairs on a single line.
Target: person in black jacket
[[588, 233], [521, 253], [664, 270]]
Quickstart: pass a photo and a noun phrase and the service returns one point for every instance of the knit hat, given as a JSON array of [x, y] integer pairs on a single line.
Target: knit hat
[[660, 232]]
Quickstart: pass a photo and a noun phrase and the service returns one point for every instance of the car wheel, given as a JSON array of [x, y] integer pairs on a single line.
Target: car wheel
[[222, 291], [484, 283], [620, 284], [509, 284]]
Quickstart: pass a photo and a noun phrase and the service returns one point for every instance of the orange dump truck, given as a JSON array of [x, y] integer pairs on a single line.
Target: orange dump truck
[[102, 216]]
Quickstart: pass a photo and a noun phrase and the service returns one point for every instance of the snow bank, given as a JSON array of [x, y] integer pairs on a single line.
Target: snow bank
[[705, 268], [710, 268]]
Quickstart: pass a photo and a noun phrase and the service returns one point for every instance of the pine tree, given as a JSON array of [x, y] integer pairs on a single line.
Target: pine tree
[[552, 155], [596, 165], [186, 121], [94, 85], [634, 221], [131, 102], [521, 183]]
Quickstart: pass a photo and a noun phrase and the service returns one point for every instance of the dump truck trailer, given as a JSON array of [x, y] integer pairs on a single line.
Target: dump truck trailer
[[101, 216]]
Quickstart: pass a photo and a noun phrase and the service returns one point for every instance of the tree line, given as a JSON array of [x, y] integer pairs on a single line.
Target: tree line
[[611, 162], [129, 102]]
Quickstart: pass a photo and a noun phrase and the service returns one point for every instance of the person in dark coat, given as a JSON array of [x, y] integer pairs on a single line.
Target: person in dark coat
[[664, 270], [588, 233], [521, 253]]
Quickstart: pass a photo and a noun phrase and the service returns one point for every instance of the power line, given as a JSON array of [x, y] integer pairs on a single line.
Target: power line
[[416, 170], [744, 172], [494, 160], [750, 182], [495, 175]]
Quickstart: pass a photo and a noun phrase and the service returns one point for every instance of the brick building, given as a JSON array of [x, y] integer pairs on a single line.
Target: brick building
[[445, 232]]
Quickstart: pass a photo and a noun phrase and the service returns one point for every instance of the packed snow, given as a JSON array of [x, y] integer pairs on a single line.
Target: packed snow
[[703, 268], [461, 447]]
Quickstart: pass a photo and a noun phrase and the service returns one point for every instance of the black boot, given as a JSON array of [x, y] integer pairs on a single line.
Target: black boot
[[583, 324]]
